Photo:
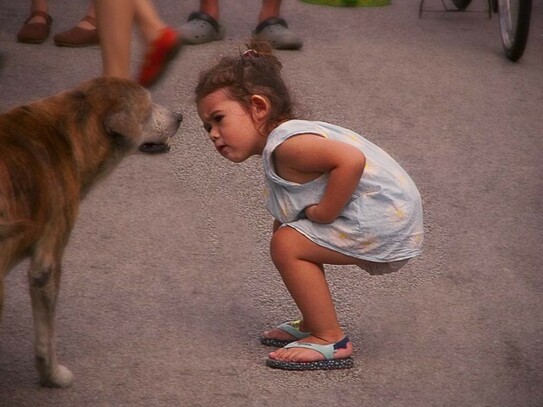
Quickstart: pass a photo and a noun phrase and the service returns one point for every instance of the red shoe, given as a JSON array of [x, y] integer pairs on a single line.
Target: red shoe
[[159, 54], [35, 33]]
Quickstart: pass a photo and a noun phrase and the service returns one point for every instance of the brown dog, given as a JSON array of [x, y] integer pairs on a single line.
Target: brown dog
[[51, 153]]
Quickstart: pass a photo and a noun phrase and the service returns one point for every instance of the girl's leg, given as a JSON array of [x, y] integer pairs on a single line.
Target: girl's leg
[[299, 262], [115, 19]]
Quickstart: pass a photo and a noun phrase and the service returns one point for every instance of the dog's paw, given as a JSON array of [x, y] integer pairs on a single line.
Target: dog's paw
[[61, 377]]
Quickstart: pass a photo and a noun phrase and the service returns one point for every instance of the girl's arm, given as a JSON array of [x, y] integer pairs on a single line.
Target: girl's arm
[[305, 157]]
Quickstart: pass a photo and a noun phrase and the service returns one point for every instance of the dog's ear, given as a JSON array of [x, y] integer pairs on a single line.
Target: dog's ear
[[124, 129]]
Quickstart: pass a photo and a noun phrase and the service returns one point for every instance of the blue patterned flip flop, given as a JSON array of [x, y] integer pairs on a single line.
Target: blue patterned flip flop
[[326, 350], [290, 327]]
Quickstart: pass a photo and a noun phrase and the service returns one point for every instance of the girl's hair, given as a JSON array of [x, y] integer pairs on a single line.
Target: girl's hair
[[255, 71]]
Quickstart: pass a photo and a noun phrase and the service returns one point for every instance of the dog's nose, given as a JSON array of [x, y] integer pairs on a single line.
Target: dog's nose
[[178, 117]]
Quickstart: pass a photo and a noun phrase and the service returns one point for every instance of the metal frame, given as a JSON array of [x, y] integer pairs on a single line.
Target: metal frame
[[448, 9]]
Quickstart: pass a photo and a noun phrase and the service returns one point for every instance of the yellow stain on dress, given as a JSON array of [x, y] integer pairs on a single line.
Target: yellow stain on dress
[[343, 235], [368, 168], [369, 244], [400, 213], [353, 137], [396, 212], [284, 211], [341, 239], [417, 239], [402, 179]]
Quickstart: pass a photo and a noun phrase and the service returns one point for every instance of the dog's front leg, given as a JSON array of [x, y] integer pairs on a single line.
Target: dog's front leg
[[44, 279]]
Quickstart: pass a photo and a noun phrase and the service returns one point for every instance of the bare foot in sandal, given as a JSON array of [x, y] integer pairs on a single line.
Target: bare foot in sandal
[[285, 333], [313, 354], [296, 354]]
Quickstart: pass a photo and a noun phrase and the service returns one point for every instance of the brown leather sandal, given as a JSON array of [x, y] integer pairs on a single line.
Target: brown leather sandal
[[35, 33], [77, 36]]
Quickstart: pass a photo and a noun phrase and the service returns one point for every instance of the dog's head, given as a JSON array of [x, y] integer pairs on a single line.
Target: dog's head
[[127, 113]]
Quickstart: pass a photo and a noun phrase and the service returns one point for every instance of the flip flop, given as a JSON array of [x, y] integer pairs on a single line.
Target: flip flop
[[326, 350], [201, 28], [290, 327]]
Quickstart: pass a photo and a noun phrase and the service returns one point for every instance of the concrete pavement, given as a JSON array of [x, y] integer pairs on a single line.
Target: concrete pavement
[[167, 280]]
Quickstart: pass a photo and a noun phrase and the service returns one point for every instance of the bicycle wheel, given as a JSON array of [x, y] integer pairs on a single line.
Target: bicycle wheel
[[461, 4], [514, 16]]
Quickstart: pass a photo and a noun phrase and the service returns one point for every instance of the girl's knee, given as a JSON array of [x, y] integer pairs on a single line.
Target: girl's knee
[[282, 247]]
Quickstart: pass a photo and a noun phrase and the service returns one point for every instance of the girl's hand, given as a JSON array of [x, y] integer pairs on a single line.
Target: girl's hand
[[305, 157], [313, 214]]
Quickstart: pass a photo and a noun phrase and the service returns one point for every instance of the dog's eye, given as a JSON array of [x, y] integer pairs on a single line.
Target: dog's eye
[[207, 127]]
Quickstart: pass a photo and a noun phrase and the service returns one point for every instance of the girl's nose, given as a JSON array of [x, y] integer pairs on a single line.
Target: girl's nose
[[213, 134]]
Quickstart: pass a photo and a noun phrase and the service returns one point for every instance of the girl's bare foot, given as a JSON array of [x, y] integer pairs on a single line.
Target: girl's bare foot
[[285, 333], [295, 354], [277, 333]]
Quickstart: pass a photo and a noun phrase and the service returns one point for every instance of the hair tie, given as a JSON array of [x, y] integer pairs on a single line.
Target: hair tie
[[250, 53]]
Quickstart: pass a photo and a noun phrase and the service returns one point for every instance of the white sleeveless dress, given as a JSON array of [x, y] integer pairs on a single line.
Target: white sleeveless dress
[[382, 222]]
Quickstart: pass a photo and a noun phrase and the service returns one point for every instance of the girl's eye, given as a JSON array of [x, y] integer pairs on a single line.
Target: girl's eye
[[218, 118]]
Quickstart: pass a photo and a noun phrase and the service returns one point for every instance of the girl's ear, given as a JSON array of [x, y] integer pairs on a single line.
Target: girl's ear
[[260, 107]]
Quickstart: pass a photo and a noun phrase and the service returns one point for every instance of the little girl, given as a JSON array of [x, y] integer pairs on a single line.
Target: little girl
[[336, 198]]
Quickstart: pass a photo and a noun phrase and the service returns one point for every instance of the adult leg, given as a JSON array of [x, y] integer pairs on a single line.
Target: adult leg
[[270, 8], [163, 43], [83, 34], [274, 29], [148, 20], [203, 26], [37, 26], [210, 7], [38, 5], [115, 19], [299, 261], [85, 24]]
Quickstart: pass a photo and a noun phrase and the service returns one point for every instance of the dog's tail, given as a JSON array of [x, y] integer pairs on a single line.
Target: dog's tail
[[11, 229]]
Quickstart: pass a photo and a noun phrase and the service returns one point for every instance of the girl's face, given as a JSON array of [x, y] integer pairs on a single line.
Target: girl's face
[[232, 127]]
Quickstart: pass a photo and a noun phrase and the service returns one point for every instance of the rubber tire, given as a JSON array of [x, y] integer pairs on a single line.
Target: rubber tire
[[461, 4], [515, 49]]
